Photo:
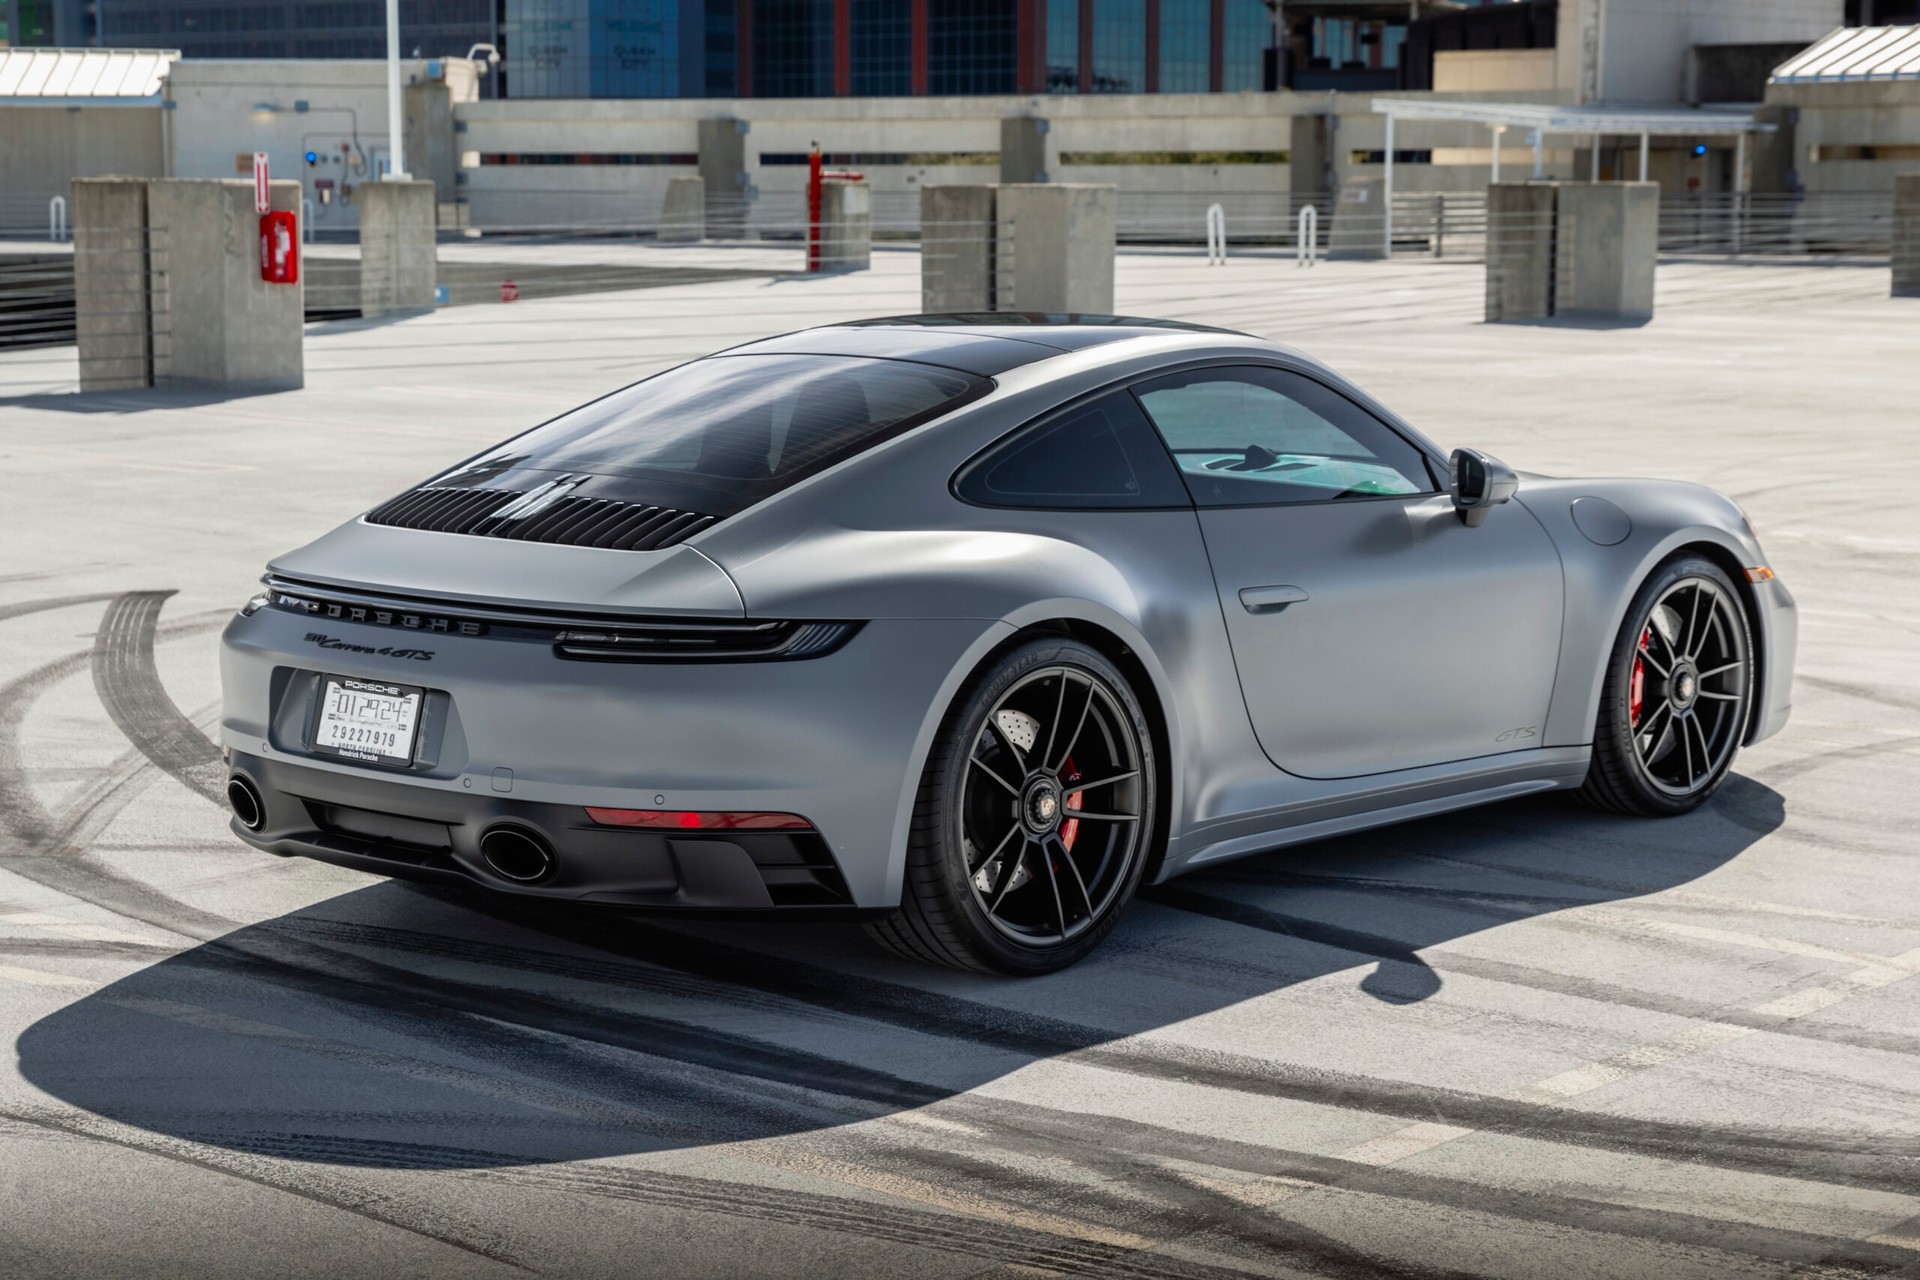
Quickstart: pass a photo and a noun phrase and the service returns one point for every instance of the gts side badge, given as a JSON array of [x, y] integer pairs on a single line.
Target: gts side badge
[[1516, 735]]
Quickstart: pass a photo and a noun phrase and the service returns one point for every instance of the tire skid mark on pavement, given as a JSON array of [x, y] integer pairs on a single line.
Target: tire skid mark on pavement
[[382, 1206], [1442, 961], [1508, 906], [1856, 1160], [1816, 760], [128, 681], [1007, 1123], [1092, 1133], [1879, 695], [1424, 1135], [1278, 1174], [645, 1094], [25, 817], [24, 607]]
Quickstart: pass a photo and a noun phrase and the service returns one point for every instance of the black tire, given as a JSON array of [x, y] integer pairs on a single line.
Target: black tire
[[1673, 758], [945, 916]]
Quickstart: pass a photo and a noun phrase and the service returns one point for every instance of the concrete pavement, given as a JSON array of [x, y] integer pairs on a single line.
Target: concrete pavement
[[1522, 1041]]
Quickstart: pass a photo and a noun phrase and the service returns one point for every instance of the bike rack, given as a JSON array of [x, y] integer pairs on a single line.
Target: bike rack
[[1216, 235], [57, 229]]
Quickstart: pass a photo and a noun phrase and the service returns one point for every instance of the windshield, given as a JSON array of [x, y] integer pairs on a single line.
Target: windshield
[[720, 434]]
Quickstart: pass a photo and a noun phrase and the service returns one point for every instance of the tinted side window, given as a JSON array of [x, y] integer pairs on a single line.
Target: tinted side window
[[1254, 435], [1100, 453]]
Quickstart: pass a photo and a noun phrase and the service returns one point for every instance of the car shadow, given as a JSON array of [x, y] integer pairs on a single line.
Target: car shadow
[[404, 1026]]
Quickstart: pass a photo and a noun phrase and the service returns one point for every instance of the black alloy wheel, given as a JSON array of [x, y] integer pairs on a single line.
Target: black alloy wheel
[[1034, 818], [1677, 696]]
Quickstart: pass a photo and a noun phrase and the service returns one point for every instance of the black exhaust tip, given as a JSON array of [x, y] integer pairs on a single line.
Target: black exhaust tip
[[245, 800], [516, 854]]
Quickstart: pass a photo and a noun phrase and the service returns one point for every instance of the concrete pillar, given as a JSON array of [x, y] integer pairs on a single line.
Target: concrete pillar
[[112, 278], [1906, 235], [1520, 257], [846, 225], [398, 250], [1024, 150], [217, 323], [1572, 249], [956, 248], [1309, 168], [683, 214], [1358, 229], [723, 168], [427, 118], [1054, 248], [1608, 240]]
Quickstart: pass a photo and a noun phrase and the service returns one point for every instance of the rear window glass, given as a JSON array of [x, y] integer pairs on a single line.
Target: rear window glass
[[722, 433]]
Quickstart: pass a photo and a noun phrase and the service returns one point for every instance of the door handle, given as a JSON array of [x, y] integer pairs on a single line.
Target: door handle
[[1271, 599]]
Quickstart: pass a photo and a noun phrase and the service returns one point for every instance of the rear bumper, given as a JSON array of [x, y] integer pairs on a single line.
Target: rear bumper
[[512, 733], [390, 828]]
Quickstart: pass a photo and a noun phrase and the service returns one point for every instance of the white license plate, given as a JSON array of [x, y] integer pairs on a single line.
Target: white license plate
[[367, 720]]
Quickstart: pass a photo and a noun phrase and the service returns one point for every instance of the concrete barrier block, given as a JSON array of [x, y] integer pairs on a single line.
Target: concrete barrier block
[[225, 328], [399, 251], [846, 225], [1520, 258], [1054, 250], [1608, 237], [1906, 235], [956, 248], [112, 279], [683, 214], [1359, 214]]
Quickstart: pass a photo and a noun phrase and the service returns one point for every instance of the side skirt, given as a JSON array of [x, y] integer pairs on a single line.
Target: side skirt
[[1562, 768]]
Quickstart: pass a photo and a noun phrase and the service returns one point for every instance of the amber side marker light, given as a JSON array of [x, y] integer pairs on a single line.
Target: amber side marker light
[[1762, 574], [683, 820]]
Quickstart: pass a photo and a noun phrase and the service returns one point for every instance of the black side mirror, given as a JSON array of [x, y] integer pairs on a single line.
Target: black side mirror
[[1478, 482]]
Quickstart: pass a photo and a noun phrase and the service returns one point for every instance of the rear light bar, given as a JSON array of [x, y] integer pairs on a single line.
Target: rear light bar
[[686, 820]]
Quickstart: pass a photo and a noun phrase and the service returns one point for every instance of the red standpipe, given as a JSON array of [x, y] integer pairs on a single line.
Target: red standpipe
[[815, 175]]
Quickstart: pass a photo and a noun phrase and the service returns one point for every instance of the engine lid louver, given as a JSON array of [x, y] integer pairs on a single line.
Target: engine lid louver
[[568, 520]]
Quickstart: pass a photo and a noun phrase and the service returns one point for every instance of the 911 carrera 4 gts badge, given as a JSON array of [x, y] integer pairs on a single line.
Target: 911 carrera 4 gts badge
[[329, 642]]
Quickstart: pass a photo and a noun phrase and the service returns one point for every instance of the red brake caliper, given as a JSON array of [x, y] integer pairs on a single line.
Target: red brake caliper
[[1071, 827], [1637, 687]]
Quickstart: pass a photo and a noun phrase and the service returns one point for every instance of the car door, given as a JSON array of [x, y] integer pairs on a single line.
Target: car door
[[1372, 630]]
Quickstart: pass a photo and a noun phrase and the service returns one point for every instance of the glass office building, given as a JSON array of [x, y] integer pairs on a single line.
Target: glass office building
[[880, 48], [735, 48]]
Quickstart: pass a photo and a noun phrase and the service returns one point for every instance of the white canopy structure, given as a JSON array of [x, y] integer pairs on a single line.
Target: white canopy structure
[[1541, 118], [1854, 55], [83, 77]]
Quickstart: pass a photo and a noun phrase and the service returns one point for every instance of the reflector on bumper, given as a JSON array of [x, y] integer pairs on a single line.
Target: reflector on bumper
[[687, 820]]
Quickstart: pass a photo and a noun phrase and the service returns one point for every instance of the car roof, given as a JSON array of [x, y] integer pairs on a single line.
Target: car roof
[[985, 343]]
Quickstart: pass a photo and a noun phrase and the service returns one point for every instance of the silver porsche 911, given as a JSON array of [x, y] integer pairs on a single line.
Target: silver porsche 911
[[967, 625]]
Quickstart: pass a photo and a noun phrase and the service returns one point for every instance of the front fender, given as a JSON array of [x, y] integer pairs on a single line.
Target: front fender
[[1666, 517]]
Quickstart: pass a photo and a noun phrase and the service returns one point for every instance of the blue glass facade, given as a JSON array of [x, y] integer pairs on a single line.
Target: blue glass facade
[[972, 46], [1186, 46], [793, 49], [745, 48], [1119, 46], [1248, 34], [1063, 46], [880, 48]]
